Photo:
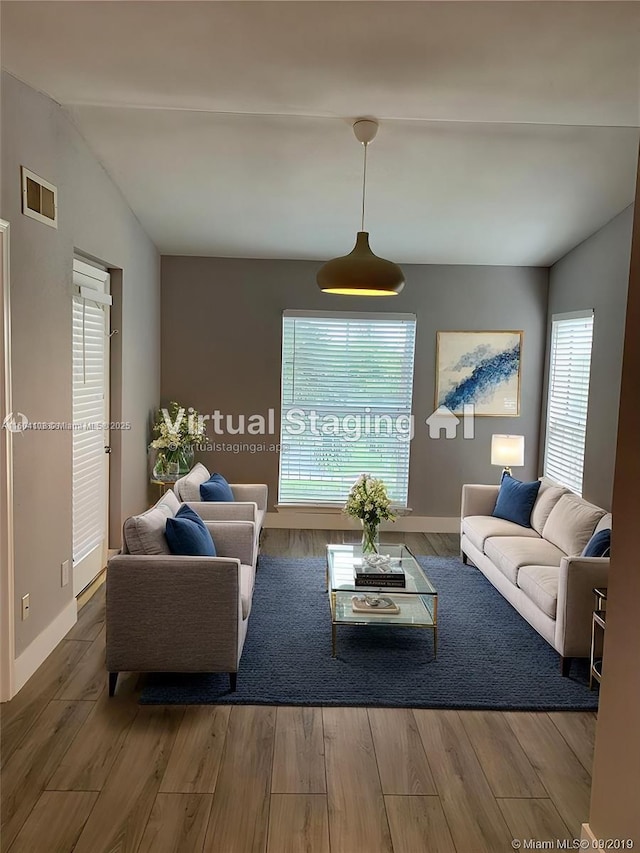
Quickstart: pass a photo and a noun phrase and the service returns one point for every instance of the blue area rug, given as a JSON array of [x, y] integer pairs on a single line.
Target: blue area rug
[[488, 656]]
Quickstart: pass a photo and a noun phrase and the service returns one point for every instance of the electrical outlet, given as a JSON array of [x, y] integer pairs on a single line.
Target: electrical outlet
[[25, 607], [64, 578]]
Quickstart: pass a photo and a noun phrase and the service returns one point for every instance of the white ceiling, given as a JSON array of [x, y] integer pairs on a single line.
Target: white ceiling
[[509, 131]]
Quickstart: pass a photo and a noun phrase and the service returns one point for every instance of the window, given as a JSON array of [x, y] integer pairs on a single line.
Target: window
[[347, 382], [569, 367]]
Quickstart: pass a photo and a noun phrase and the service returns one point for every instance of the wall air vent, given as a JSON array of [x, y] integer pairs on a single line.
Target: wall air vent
[[39, 198]]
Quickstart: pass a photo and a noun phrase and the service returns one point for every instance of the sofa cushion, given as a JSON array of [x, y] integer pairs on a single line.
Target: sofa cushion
[[145, 533], [188, 536], [509, 553], [540, 584], [548, 496], [216, 488], [599, 545], [516, 500], [479, 528], [188, 487], [571, 524], [247, 576]]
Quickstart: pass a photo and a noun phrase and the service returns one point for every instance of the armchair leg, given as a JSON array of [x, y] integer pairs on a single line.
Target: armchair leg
[[113, 680], [565, 666], [233, 681]]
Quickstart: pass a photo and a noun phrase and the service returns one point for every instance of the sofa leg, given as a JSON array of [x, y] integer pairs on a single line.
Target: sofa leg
[[565, 666], [233, 681], [113, 680], [465, 559]]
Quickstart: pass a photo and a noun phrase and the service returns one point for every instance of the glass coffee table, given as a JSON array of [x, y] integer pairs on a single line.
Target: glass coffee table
[[417, 601]]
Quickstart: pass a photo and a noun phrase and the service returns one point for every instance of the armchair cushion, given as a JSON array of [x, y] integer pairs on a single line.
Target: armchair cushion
[[216, 488], [145, 533], [236, 539], [187, 488], [188, 536]]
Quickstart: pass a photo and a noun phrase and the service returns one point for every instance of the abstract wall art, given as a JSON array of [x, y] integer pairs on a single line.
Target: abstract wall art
[[481, 369]]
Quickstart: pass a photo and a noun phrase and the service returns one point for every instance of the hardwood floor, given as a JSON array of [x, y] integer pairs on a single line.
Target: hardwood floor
[[82, 772]]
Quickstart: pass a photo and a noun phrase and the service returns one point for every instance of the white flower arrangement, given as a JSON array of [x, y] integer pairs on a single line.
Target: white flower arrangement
[[368, 500], [176, 428]]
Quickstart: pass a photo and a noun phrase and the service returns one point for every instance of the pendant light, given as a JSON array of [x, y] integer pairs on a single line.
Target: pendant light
[[361, 273]]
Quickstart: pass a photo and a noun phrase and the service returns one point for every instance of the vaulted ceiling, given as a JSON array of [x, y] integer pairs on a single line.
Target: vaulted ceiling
[[508, 130]]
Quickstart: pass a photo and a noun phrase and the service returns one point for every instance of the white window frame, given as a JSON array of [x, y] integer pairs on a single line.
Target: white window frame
[[572, 474], [334, 505]]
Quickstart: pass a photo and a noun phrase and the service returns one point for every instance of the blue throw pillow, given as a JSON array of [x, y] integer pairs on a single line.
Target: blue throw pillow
[[188, 536], [216, 488], [599, 545], [516, 500]]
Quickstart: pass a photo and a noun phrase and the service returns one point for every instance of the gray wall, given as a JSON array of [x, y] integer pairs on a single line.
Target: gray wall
[[95, 220], [221, 337], [596, 275]]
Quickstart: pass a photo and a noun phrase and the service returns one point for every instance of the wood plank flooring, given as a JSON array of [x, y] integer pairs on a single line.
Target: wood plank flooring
[[85, 773]]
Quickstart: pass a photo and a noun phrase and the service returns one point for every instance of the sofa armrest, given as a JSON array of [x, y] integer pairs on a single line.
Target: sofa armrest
[[258, 492], [478, 499], [225, 510], [235, 539], [578, 576], [167, 613]]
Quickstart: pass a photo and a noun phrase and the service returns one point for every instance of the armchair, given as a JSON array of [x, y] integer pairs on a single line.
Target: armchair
[[250, 498], [250, 502], [167, 613]]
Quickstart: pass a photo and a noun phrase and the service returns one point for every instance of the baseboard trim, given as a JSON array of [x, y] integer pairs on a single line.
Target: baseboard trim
[[587, 835], [39, 650], [299, 520]]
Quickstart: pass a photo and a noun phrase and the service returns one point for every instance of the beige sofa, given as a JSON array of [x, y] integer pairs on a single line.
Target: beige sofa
[[169, 613], [539, 569]]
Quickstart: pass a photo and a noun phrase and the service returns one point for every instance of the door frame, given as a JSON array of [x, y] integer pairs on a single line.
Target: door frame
[[7, 614]]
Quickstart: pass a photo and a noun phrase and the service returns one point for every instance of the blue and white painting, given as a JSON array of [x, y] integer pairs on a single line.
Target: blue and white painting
[[481, 369]]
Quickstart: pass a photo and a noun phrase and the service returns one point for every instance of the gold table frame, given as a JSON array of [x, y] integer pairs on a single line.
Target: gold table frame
[[397, 594]]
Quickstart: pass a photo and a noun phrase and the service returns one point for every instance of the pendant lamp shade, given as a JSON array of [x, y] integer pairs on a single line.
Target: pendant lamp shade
[[361, 272]]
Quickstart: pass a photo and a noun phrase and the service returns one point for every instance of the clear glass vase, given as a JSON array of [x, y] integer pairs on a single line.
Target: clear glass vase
[[171, 464], [370, 538]]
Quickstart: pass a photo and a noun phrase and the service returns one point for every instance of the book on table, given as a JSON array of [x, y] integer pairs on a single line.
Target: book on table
[[383, 576]]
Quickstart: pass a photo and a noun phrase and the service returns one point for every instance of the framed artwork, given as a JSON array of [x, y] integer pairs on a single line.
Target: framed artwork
[[481, 369]]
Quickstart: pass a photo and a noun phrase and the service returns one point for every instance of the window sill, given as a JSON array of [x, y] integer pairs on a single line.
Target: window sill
[[330, 509]]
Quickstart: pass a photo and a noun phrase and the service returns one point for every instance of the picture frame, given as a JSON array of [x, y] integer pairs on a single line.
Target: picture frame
[[480, 369]]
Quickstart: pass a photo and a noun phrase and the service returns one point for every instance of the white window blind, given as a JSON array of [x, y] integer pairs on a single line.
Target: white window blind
[[569, 369], [89, 410], [347, 382]]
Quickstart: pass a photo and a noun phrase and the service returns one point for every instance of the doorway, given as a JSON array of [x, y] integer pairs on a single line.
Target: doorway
[[91, 435]]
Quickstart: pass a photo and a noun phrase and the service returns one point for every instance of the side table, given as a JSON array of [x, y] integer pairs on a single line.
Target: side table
[[163, 485], [598, 625]]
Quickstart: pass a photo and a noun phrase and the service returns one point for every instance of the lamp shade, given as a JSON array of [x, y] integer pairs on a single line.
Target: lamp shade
[[361, 273], [507, 450]]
